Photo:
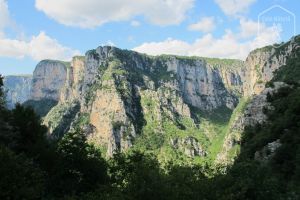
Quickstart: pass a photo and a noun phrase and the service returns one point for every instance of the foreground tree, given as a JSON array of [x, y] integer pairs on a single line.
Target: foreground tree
[[79, 168]]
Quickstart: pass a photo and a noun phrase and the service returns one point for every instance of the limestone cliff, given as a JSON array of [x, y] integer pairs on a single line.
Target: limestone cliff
[[17, 89], [110, 85], [48, 79], [72, 85], [165, 104], [250, 115], [259, 69], [261, 64]]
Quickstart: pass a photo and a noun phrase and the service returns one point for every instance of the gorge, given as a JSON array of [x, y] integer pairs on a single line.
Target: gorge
[[183, 109]]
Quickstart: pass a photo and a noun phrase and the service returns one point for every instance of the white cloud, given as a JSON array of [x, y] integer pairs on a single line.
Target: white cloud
[[248, 28], [44, 47], [108, 43], [135, 23], [234, 7], [206, 24], [39, 47], [169, 46], [93, 13], [13, 48], [4, 17], [228, 46]]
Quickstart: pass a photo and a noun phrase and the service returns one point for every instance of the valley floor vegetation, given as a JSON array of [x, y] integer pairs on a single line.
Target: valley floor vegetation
[[34, 167]]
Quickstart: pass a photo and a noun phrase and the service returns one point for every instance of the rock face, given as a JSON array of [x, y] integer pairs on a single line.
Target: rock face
[[108, 115], [72, 86], [110, 84], [259, 68], [267, 152], [115, 96], [48, 79], [204, 88], [60, 117], [262, 63], [207, 86], [189, 146], [17, 89], [251, 116]]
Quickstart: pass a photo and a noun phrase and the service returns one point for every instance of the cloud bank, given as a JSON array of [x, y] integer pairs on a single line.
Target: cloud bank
[[234, 7], [38, 47], [93, 13], [230, 45], [206, 24]]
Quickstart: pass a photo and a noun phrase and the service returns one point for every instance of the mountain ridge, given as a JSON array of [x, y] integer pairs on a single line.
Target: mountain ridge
[[124, 99]]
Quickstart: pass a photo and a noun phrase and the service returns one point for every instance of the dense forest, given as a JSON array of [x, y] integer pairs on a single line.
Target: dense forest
[[34, 167]]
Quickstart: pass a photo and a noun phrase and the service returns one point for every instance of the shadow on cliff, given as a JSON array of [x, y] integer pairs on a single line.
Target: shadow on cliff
[[41, 107]]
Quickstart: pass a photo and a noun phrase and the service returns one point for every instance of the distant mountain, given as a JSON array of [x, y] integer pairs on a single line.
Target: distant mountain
[[184, 109], [17, 89]]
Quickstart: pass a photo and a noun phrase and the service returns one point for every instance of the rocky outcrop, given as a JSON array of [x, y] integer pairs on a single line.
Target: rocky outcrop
[[60, 117], [113, 127], [254, 112], [189, 146], [122, 93], [204, 87], [267, 151], [107, 82], [72, 88], [49, 77], [250, 117], [261, 64], [17, 89], [259, 68], [111, 91]]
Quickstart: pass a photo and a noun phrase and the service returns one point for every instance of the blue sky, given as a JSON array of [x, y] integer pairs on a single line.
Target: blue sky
[[32, 30]]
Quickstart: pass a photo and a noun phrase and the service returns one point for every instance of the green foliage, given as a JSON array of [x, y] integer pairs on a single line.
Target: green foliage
[[82, 58], [258, 73], [207, 128], [160, 74], [93, 53], [81, 167], [263, 49], [217, 62], [28, 126], [216, 123], [82, 120], [219, 115], [219, 141], [282, 167], [41, 107], [20, 178], [67, 64], [137, 175], [149, 141], [60, 118], [191, 60], [290, 72]]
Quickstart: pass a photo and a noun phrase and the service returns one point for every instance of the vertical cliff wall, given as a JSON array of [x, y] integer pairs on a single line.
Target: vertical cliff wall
[[260, 66], [17, 89], [121, 98], [108, 87], [49, 78]]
